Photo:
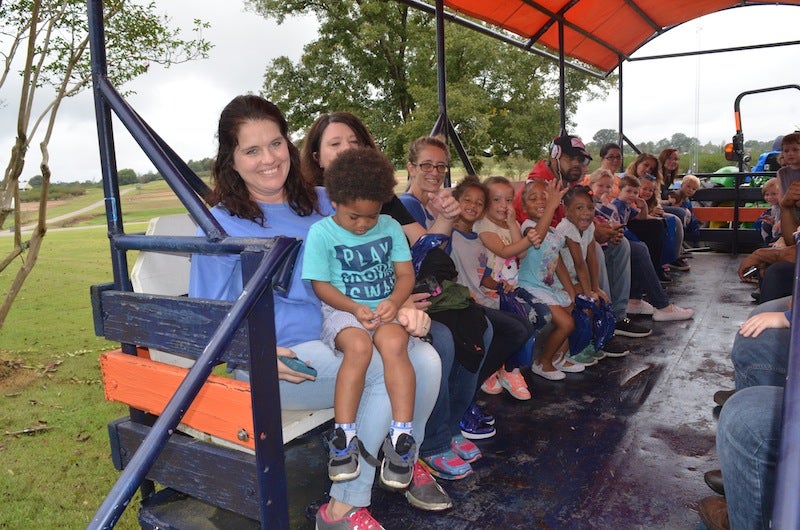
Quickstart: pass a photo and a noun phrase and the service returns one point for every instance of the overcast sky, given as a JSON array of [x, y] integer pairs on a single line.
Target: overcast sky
[[690, 95]]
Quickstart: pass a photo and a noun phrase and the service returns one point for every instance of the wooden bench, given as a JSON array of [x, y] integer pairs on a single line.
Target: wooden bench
[[168, 274], [226, 463]]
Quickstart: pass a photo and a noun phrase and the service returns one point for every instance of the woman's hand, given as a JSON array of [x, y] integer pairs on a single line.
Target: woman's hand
[[416, 322], [754, 325], [442, 203], [287, 374], [419, 301]]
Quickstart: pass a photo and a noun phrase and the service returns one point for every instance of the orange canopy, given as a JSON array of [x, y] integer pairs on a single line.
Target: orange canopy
[[600, 33]]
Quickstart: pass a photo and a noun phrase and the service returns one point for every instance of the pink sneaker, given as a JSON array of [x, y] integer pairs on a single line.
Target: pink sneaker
[[357, 518], [492, 385], [514, 383], [672, 313]]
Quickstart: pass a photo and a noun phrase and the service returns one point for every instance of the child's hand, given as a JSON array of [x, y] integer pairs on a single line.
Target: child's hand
[[507, 287], [754, 325], [554, 192], [599, 294], [367, 317], [534, 238], [386, 311]]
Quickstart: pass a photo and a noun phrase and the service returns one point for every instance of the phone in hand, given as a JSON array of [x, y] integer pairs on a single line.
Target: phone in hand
[[297, 365], [750, 272]]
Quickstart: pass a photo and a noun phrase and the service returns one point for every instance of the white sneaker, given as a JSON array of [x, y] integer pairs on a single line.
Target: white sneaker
[[639, 307], [672, 312], [561, 363]]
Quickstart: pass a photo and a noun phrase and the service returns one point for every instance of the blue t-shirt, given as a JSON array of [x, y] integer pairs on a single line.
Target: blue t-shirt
[[360, 266], [298, 317], [417, 210]]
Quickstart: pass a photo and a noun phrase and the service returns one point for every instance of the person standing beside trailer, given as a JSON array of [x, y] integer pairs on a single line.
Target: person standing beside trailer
[[259, 191]]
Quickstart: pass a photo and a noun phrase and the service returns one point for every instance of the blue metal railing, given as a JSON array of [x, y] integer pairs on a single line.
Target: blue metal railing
[[786, 509], [267, 264]]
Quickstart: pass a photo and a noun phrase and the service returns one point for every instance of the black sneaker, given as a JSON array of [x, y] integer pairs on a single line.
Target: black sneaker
[[398, 462], [343, 457], [614, 348], [663, 276], [627, 328]]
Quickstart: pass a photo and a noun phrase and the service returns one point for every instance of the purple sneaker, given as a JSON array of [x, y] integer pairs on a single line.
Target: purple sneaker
[[473, 429], [479, 414]]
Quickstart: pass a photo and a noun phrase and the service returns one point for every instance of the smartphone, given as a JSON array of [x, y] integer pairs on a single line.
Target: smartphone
[[750, 272], [297, 365]]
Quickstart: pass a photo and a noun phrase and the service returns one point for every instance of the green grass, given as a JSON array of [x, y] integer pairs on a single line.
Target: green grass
[[49, 376]]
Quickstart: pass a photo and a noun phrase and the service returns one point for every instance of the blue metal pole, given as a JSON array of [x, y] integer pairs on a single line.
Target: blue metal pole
[[786, 510]]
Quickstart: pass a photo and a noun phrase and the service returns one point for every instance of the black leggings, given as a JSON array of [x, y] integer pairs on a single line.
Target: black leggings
[[510, 332], [650, 232]]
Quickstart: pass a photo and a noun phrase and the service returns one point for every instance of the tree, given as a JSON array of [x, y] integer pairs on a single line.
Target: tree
[[52, 36], [126, 176], [377, 59], [605, 136]]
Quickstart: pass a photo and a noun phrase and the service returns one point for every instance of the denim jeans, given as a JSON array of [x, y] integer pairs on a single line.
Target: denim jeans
[[762, 360], [374, 411], [748, 439], [617, 262], [455, 393], [643, 277]]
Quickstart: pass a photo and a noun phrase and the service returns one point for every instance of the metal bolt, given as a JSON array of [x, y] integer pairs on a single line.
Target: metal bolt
[[242, 435]]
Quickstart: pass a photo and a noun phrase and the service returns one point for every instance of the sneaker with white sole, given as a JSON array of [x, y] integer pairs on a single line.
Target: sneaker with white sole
[[615, 348], [672, 313], [492, 385], [639, 307], [425, 493], [514, 382], [398, 461], [343, 457], [627, 328]]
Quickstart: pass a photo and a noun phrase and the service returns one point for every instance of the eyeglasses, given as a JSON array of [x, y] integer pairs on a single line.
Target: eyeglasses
[[428, 167], [613, 157]]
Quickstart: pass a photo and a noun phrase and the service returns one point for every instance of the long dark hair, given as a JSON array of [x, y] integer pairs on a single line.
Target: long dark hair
[[309, 155], [229, 188]]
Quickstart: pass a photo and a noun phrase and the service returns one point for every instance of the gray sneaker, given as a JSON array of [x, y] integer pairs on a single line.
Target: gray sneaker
[[398, 462], [425, 493], [343, 458]]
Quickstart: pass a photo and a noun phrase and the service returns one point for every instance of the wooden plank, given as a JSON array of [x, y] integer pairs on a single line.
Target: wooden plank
[[725, 213], [719, 194], [173, 324], [222, 409], [217, 475]]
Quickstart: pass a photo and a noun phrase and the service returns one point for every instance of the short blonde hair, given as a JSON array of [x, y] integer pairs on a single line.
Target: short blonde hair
[[772, 184], [691, 178], [599, 173]]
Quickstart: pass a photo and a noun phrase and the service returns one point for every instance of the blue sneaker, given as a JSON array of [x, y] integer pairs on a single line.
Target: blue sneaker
[[479, 414], [464, 448], [447, 465], [473, 429]]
